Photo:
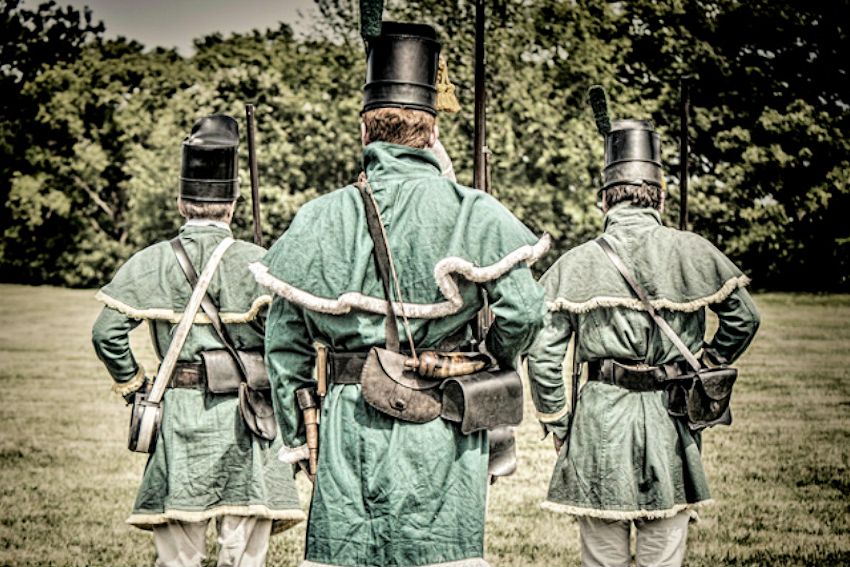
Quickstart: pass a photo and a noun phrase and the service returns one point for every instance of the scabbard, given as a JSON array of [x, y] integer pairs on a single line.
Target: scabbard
[[309, 407]]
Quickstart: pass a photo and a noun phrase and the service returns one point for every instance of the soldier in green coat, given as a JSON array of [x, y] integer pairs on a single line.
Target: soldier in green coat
[[625, 459], [390, 492], [206, 463]]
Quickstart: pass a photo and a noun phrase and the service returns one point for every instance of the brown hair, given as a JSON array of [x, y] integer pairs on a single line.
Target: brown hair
[[399, 126], [221, 212], [643, 195]]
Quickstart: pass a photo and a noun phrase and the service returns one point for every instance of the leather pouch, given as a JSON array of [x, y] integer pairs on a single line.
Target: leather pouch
[[137, 441], [391, 388], [223, 375], [502, 460], [483, 400], [257, 411], [255, 403], [703, 398]]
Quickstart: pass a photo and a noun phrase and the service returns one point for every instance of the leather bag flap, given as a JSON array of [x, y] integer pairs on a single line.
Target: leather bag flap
[[717, 382], [257, 412], [223, 375], [255, 366], [484, 400], [387, 392]]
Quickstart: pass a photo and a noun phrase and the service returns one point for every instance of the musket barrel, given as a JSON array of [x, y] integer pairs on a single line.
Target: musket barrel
[[481, 159], [480, 142], [255, 183], [684, 110]]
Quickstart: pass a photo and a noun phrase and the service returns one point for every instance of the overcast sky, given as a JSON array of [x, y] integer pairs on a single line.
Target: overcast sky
[[175, 23]]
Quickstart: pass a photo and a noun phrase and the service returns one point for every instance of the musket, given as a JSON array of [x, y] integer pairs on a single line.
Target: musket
[[255, 183], [502, 441], [684, 107], [481, 155], [481, 161]]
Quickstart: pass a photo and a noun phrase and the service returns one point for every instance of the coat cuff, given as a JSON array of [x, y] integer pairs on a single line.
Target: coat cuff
[[291, 455], [126, 388], [711, 358], [555, 422]]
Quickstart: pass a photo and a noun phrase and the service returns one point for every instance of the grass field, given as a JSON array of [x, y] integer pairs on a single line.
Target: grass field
[[781, 475]]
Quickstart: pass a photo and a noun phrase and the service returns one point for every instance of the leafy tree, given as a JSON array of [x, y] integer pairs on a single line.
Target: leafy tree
[[91, 152], [771, 155], [69, 218], [32, 40]]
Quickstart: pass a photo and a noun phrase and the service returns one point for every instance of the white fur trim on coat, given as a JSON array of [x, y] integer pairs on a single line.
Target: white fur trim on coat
[[174, 316], [473, 562], [561, 304], [291, 455], [444, 273], [131, 385], [281, 519], [622, 514], [554, 416]]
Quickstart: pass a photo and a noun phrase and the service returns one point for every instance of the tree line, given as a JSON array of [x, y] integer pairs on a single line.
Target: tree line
[[91, 127]]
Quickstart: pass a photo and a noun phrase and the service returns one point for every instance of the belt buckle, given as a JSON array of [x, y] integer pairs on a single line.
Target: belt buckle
[[187, 377]]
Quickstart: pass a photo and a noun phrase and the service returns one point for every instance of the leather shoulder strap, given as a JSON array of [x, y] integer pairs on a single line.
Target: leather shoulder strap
[[644, 298], [386, 268], [575, 380], [382, 264], [166, 368], [208, 305]]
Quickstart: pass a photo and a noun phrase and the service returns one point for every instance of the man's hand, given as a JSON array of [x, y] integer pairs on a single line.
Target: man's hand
[[130, 397], [558, 443]]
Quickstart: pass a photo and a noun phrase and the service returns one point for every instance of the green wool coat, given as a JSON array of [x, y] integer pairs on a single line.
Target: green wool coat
[[206, 462], [626, 458], [389, 492]]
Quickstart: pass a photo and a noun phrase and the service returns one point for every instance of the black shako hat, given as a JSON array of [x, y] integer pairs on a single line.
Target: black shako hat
[[210, 167], [401, 68], [632, 154]]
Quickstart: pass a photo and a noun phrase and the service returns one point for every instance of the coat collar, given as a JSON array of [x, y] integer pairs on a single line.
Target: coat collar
[[383, 161], [625, 215], [204, 224]]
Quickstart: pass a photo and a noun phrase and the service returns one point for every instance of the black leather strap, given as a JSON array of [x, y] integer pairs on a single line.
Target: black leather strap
[[207, 305], [345, 367], [633, 375], [382, 264], [639, 291], [575, 380]]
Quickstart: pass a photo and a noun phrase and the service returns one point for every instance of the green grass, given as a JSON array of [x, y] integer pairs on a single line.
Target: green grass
[[781, 475]]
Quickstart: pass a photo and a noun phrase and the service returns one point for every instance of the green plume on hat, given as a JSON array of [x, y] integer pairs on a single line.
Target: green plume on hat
[[371, 12]]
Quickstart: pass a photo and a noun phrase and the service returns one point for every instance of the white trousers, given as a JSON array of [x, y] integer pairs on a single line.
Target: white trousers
[[660, 543], [243, 541]]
